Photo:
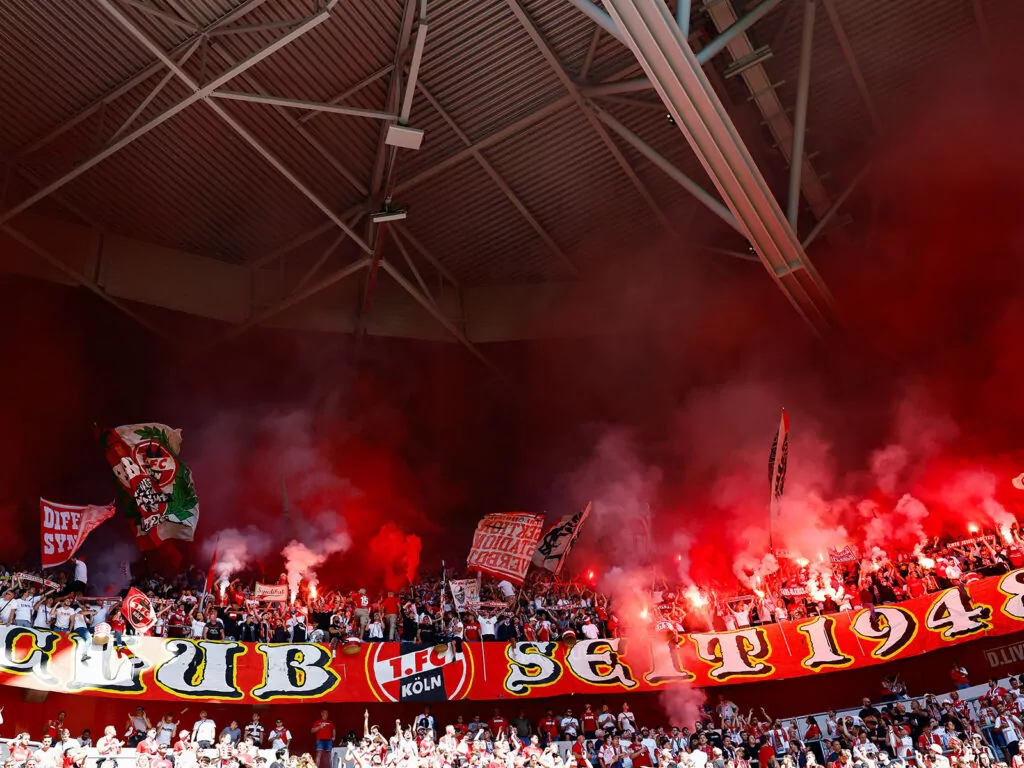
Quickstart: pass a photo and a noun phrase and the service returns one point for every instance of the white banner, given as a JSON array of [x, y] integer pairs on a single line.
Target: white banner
[[271, 593], [464, 592]]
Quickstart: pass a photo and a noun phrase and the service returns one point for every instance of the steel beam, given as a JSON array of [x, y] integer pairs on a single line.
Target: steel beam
[[297, 124], [726, 36], [155, 12], [495, 138], [698, 112], [549, 55], [369, 80], [683, 9], [198, 94], [441, 268], [502, 185], [438, 315], [412, 265], [764, 96], [831, 212], [315, 106], [414, 66], [803, 95], [135, 80], [853, 64], [249, 138], [695, 189]]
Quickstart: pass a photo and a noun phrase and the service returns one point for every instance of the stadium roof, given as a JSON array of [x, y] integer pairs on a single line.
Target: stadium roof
[[224, 158]]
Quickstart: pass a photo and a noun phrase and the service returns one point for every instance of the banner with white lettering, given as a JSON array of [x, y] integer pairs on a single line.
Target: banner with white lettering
[[65, 526], [464, 592], [504, 543], [271, 593]]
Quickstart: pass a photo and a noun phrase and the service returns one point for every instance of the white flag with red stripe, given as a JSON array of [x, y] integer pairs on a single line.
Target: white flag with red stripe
[[777, 461]]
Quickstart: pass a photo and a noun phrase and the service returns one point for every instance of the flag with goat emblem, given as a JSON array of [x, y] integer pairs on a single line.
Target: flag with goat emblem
[[156, 486]]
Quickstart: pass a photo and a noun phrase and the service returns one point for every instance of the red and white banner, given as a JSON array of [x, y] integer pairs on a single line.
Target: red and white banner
[[989, 612], [138, 611], [504, 543], [65, 526], [271, 593]]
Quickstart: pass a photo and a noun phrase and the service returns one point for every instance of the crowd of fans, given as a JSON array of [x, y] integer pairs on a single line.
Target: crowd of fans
[[933, 732], [544, 608]]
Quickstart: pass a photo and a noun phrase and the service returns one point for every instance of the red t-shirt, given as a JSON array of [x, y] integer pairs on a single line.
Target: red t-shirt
[[497, 723], [472, 630], [589, 721], [391, 605], [549, 727], [765, 753], [324, 730], [577, 749], [147, 747]]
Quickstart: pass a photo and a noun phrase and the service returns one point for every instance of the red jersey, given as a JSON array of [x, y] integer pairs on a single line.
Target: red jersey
[[324, 730], [496, 724], [147, 747], [472, 630], [391, 606], [577, 749], [589, 721], [116, 623], [52, 730], [361, 601], [548, 726]]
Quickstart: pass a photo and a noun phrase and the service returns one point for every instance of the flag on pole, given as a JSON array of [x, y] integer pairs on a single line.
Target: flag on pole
[[558, 540], [777, 462], [63, 528], [160, 498]]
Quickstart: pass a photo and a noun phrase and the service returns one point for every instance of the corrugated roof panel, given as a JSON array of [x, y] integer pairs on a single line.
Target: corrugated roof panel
[[564, 174], [192, 184], [567, 30], [483, 68], [471, 227]]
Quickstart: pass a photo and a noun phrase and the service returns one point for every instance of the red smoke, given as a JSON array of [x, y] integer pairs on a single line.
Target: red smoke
[[397, 554]]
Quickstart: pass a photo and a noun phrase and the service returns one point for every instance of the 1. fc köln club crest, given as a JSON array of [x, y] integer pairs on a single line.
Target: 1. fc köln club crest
[[405, 672]]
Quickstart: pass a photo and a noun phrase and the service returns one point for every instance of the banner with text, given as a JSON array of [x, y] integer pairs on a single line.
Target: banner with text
[[254, 673], [271, 593], [64, 527], [504, 543]]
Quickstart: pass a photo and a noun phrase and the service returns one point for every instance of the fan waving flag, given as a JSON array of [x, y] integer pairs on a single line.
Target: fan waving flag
[[558, 540], [777, 461], [504, 543], [64, 527], [160, 499], [138, 610]]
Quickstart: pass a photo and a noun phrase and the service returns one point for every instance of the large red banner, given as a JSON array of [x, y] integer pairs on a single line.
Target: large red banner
[[504, 543], [64, 528], [261, 672]]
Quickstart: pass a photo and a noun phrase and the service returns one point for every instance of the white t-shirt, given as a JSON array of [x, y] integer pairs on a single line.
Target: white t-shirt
[[164, 733], [487, 624], [198, 627], [23, 608], [507, 590], [205, 730], [47, 758], [62, 617], [590, 631], [79, 620], [43, 616], [81, 572], [627, 722]]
